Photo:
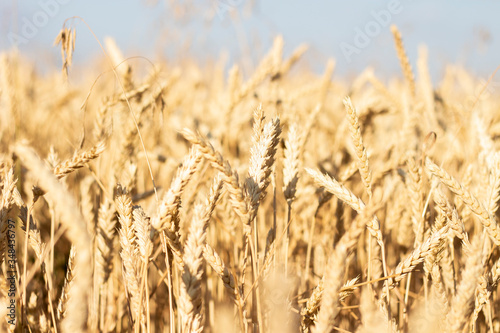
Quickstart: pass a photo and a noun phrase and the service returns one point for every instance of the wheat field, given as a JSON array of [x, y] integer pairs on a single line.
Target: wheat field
[[188, 199]]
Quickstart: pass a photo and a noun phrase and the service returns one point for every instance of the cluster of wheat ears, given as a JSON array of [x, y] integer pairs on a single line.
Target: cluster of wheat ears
[[274, 201]]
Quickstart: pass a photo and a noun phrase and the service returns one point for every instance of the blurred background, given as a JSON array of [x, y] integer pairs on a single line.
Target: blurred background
[[355, 33]]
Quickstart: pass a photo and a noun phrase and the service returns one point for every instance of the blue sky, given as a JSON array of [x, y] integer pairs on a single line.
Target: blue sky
[[459, 32]]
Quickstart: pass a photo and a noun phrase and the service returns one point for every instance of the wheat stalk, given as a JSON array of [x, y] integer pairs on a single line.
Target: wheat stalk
[[403, 60], [190, 300], [363, 163], [291, 163], [261, 162], [230, 178], [129, 253], [76, 230], [468, 198], [79, 160], [334, 275], [341, 192], [462, 303], [68, 283]]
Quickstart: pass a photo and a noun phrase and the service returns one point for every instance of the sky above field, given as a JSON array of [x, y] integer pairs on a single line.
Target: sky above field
[[355, 33]]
